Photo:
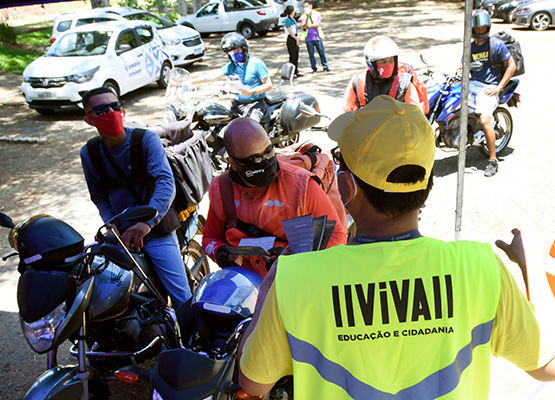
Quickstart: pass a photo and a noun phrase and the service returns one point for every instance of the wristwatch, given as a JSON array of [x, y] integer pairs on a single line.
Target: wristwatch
[[253, 92]]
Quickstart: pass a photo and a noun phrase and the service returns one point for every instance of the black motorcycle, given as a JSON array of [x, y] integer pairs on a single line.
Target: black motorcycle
[[286, 115], [105, 299]]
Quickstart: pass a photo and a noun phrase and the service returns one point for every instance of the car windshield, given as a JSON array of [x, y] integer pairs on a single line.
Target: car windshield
[[158, 22], [78, 44]]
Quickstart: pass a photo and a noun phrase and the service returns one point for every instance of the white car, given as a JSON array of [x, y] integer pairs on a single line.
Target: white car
[[184, 44], [248, 17], [120, 55]]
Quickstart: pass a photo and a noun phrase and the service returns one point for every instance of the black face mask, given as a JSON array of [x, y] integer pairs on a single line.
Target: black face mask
[[261, 174]]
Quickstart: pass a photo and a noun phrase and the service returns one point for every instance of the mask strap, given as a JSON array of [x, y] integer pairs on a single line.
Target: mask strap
[[354, 183]]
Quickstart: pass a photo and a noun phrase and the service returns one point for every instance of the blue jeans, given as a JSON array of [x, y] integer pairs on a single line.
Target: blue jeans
[[166, 257], [310, 45]]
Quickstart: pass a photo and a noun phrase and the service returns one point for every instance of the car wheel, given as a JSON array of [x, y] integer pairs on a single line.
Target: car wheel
[[44, 111], [247, 30], [540, 21], [510, 16], [164, 75], [262, 33], [112, 86]]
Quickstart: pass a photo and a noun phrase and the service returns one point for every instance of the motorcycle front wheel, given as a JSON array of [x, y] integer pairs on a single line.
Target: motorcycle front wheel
[[290, 140], [503, 126]]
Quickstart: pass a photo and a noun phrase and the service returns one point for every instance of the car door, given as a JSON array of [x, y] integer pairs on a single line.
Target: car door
[[208, 19], [132, 59], [154, 51]]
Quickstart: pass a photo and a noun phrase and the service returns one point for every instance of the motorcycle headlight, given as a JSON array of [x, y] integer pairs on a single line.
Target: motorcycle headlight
[[83, 76], [41, 332]]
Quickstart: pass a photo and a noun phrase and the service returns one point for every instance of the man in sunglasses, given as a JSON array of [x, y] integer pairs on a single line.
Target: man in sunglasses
[[263, 192], [105, 113]]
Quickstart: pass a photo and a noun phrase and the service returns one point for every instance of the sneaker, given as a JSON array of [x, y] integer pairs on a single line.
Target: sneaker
[[491, 168], [297, 75], [314, 71], [326, 70]]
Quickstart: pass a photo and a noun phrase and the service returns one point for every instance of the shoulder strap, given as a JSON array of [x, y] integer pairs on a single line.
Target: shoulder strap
[[228, 202], [136, 153], [354, 82], [405, 79], [93, 148]]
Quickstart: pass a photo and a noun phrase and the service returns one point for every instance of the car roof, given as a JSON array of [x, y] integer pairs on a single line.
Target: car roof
[[95, 12], [110, 25]]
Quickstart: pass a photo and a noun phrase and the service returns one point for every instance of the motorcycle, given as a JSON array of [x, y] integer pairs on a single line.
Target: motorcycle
[[207, 367], [286, 115], [105, 299], [444, 94]]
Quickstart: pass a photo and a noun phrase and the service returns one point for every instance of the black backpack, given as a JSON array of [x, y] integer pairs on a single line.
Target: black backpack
[[514, 47], [189, 161]]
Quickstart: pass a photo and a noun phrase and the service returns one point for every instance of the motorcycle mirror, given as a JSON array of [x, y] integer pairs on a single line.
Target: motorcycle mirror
[[117, 255], [423, 59], [136, 214], [6, 221]]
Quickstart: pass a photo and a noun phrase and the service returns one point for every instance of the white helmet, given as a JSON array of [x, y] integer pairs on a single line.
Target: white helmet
[[380, 47]]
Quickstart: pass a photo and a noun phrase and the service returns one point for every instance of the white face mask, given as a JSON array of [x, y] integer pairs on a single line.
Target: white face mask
[[354, 183], [307, 10]]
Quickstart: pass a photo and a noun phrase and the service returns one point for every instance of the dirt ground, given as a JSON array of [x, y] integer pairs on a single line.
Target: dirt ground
[[46, 177]]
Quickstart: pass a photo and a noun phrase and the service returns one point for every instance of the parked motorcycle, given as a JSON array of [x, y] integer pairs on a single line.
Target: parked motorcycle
[[105, 299], [207, 367], [286, 115], [444, 94]]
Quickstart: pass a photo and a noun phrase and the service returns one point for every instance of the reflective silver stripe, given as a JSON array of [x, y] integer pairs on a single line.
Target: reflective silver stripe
[[436, 385]]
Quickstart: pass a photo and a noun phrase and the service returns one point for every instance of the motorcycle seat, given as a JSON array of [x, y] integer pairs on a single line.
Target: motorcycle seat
[[275, 97], [509, 86]]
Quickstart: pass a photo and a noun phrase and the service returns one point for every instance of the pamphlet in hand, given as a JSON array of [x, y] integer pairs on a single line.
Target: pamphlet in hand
[[307, 233]]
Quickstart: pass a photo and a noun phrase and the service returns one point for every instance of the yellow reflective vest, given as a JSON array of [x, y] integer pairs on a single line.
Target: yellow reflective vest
[[395, 320]]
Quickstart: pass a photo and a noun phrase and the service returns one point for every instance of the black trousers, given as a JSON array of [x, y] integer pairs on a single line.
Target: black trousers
[[293, 51]]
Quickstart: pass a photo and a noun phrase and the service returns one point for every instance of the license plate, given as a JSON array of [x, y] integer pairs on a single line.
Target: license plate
[[198, 51], [47, 95]]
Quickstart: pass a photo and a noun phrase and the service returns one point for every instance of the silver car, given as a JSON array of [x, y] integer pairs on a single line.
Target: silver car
[[538, 15]]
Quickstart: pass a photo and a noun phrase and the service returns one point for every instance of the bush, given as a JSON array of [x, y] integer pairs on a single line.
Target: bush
[[8, 34], [15, 61]]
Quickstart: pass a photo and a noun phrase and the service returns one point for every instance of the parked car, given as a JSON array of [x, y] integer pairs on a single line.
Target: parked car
[[184, 44], [277, 8], [537, 15], [244, 16], [505, 11], [120, 55], [69, 20]]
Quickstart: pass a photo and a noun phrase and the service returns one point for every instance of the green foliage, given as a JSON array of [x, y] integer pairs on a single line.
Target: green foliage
[[8, 34], [38, 38], [15, 61]]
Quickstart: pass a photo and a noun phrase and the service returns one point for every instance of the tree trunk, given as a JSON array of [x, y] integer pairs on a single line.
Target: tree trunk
[[162, 8], [196, 5], [182, 7], [100, 3]]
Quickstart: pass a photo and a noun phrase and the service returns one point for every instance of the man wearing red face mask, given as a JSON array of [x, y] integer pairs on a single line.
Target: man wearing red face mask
[[384, 75], [105, 113]]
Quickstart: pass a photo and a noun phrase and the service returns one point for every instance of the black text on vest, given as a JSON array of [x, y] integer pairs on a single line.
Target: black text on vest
[[436, 303]]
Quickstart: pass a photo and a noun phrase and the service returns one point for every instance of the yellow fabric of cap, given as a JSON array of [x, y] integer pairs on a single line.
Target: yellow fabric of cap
[[382, 136]]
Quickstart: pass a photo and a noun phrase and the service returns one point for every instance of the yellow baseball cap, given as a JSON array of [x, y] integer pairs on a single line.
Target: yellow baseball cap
[[382, 136]]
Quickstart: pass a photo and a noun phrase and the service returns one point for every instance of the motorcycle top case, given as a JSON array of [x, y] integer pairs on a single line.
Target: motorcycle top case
[[291, 118]]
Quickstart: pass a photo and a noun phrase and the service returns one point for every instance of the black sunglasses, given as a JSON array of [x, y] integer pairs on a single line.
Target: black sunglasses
[[336, 154], [102, 109], [257, 158]]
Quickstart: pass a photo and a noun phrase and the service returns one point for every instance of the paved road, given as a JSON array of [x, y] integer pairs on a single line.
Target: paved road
[[46, 178]]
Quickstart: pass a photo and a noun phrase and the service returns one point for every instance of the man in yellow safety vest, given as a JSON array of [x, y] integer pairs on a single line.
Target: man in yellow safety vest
[[394, 314]]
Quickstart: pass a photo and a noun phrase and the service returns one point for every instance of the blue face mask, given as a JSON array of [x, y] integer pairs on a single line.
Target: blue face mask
[[238, 57]]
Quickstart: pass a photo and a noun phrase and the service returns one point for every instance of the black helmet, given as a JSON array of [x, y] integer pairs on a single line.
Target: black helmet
[[233, 41], [46, 243], [480, 18]]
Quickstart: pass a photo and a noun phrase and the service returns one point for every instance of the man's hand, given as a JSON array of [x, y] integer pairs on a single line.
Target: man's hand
[[515, 252], [246, 92], [224, 258], [133, 236], [492, 90]]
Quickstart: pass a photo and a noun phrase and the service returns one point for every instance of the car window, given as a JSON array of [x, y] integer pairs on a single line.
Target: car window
[[159, 23], [80, 44], [126, 41], [64, 26], [210, 9], [145, 34]]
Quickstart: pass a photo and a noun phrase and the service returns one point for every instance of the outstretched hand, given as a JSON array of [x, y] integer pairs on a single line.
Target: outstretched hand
[[516, 253]]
